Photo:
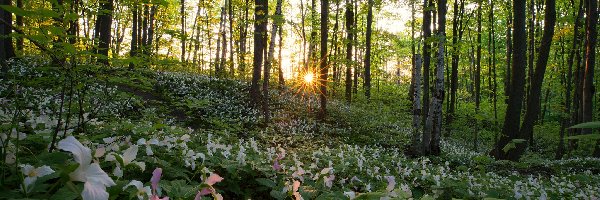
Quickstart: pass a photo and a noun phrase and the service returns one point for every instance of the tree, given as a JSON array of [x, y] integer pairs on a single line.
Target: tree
[[260, 39], [510, 130], [134, 34], [7, 50], [457, 33], [323, 68], [183, 36], [269, 61], [433, 126], [591, 34], [349, 16], [368, 50], [533, 100], [427, 6], [104, 26]]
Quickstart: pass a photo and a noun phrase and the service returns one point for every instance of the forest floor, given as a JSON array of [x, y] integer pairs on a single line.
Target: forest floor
[[195, 126]]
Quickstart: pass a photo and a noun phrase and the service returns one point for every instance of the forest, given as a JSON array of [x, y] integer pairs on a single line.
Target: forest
[[299, 99]]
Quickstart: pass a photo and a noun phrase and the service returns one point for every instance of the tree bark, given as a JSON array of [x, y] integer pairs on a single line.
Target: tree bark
[[260, 39], [368, 50], [434, 118], [512, 118], [534, 97], [323, 66], [349, 16], [591, 34], [427, 4], [269, 62], [7, 50], [104, 21]]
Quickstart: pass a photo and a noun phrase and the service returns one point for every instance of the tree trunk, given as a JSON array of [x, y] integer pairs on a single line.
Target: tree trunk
[[456, 36], [323, 67], [590, 45], [260, 39], [243, 26], [269, 62], [134, 35], [368, 53], [230, 16], [434, 119], [512, 118], [183, 37], [591, 34], [426, 59], [478, 61], [349, 16], [508, 77], [104, 21], [19, 21], [280, 60], [416, 123], [7, 50], [534, 97]]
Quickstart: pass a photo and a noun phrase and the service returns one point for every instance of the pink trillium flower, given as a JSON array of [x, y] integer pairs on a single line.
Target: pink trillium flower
[[276, 165], [154, 182], [210, 181]]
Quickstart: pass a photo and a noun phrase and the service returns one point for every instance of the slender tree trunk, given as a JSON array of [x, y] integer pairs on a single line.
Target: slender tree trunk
[[426, 61], [183, 36], [570, 63], [230, 16], [269, 62], [531, 50], [591, 35], [478, 59], [243, 34], [349, 16], [508, 77], [134, 35], [279, 60], [313, 35], [456, 36], [368, 53], [323, 66], [20, 24], [260, 39]]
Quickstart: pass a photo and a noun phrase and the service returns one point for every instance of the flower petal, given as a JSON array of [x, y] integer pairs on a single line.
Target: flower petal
[[213, 178], [130, 154], [26, 169], [43, 171], [94, 191], [141, 141], [95, 174], [81, 154], [136, 183], [29, 180], [155, 178]]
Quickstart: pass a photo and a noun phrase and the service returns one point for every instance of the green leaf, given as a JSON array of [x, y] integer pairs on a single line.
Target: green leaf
[[584, 137], [512, 144], [266, 182], [15, 10], [64, 193], [595, 124]]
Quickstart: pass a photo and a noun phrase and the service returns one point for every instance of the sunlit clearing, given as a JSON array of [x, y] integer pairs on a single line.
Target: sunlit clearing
[[308, 78]]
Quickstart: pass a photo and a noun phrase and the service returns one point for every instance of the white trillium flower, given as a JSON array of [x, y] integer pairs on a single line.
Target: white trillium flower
[[152, 141], [95, 180], [128, 157], [142, 192], [32, 173]]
